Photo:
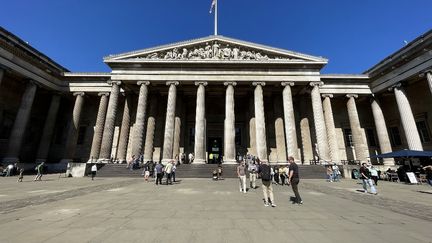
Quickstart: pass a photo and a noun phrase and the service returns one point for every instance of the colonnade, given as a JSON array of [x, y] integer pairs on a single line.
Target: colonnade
[[327, 144]]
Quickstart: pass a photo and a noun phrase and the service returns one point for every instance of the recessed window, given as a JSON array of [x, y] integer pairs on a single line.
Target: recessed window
[[370, 134], [395, 138], [81, 135], [348, 137], [238, 136], [423, 131]]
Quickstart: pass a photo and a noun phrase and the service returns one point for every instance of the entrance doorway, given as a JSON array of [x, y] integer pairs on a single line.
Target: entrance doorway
[[214, 150]]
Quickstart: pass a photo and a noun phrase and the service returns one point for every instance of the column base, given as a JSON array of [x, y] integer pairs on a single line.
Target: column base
[[230, 162], [10, 160], [104, 161], [166, 161], [92, 161], [198, 161]]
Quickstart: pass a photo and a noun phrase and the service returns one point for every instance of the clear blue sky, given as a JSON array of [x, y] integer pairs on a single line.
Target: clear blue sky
[[353, 34]]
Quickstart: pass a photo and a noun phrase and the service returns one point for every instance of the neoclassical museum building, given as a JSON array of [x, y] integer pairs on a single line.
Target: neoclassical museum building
[[215, 97]]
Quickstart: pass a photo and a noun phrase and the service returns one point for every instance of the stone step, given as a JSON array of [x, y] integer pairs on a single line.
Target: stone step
[[203, 171]]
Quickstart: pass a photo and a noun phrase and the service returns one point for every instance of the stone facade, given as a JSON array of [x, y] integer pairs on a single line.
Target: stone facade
[[215, 97]]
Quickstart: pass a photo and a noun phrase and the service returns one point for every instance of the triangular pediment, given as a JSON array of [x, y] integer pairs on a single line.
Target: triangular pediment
[[215, 48]]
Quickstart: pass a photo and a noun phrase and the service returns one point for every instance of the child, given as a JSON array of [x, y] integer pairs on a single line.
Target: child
[[20, 177]]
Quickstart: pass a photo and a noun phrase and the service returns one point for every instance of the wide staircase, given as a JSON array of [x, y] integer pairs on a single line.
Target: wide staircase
[[203, 171]]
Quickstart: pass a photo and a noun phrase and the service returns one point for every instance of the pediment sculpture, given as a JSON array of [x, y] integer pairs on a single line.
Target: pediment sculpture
[[212, 51]]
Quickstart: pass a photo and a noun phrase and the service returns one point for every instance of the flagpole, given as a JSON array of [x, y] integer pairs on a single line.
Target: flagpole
[[216, 18]]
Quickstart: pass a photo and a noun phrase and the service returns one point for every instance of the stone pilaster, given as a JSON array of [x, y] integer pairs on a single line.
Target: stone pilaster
[[108, 133], [331, 131], [138, 131], [381, 128], [200, 151], [320, 129], [229, 125], [169, 123], [151, 124], [124, 131], [252, 127], [289, 119], [359, 146], [407, 118], [99, 127], [48, 130], [281, 149], [20, 123], [261, 139], [72, 137], [429, 79]]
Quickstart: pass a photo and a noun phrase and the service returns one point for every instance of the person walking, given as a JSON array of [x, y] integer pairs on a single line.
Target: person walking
[[366, 179], [173, 171], [168, 172], [241, 173], [294, 179], [252, 169], [93, 171], [39, 170], [146, 171], [159, 173], [374, 174], [265, 174], [329, 172], [21, 176]]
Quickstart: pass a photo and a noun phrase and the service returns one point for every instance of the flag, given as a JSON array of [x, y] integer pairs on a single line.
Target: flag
[[213, 4]]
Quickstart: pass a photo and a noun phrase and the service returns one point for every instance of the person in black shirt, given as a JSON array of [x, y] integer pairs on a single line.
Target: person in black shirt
[[294, 179]]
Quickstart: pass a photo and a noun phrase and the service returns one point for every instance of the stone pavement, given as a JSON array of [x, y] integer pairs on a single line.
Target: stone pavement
[[201, 210]]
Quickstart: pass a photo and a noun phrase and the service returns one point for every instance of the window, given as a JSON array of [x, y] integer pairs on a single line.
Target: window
[[395, 138], [370, 134], [348, 137], [191, 136], [423, 131], [81, 135]]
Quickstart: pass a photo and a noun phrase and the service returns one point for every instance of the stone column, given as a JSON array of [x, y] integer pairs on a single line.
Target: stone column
[[138, 131], [169, 123], [99, 127], [407, 118], [200, 151], [320, 129], [151, 124], [1, 75], [381, 128], [229, 125], [289, 119], [331, 131], [20, 123], [72, 137], [252, 127], [281, 149], [261, 139], [359, 146], [177, 129], [429, 78], [124, 131], [48, 130], [108, 133]]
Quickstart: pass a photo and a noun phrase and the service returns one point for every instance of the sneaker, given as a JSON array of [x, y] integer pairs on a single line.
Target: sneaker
[[301, 202], [266, 204], [273, 205]]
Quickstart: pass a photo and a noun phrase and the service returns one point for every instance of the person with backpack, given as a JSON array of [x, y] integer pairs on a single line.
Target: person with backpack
[[264, 171]]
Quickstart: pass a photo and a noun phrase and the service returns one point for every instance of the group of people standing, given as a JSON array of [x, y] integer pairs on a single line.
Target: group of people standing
[[261, 169], [333, 173]]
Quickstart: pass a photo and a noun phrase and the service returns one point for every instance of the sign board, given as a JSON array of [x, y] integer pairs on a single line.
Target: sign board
[[412, 178]]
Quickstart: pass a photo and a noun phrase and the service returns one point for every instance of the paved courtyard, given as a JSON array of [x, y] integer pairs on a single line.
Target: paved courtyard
[[201, 210]]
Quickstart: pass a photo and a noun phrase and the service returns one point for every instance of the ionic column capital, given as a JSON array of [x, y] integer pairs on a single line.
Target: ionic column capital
[[355, 96], [201, 83], [397, 85], [287, 83], [327, 95], [139, 83], [103, 94], [230, 83], [258, 83], [78, 93], [114, 82], [319, 84], [172, 83]]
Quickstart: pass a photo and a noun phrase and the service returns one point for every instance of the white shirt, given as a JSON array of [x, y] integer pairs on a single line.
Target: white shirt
[[94, 168]]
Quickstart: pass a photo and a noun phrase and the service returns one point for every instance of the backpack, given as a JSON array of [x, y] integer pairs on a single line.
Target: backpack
[[265, 173]]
